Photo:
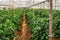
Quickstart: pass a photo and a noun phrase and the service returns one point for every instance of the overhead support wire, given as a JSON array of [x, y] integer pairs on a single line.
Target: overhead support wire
[[5, 5], [38, 3]]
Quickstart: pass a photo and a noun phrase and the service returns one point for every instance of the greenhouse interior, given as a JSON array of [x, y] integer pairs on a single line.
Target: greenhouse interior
[[29, 19]]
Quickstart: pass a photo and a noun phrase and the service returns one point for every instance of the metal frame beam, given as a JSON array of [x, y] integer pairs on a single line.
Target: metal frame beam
[[38, 3]]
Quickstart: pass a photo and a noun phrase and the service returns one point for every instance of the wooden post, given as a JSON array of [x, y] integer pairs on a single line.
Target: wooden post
[[50, 20]]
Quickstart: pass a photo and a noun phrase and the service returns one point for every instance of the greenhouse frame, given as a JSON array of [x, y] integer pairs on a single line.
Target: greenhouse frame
[[29, 19]]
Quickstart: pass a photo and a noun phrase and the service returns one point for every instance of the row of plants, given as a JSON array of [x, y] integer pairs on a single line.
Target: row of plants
[[38, 21]]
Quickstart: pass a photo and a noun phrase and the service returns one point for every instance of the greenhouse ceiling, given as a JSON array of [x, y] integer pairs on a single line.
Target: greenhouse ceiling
[[27, 3], [19, 2]]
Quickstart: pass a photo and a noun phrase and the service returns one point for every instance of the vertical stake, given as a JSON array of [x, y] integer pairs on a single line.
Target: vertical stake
[[50, 20]]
